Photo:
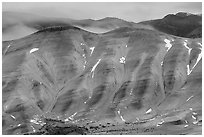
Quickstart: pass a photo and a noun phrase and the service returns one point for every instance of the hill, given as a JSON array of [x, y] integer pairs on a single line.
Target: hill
[[65, 80], [181, 24]]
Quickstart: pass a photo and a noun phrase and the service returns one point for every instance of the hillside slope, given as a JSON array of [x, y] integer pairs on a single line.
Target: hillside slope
[[181, 24], [126, 81]]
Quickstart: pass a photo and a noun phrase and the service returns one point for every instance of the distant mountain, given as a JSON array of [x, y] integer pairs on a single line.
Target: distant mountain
[[17, 25], [181, 24]]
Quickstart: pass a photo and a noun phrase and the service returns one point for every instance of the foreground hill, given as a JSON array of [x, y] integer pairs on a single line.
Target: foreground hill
[[181, 24], [64, 80]]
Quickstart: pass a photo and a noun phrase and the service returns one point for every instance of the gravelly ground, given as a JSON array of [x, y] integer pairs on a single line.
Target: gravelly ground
[[60, 128]]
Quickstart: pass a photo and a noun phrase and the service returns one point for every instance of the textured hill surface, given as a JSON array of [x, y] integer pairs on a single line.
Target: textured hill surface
[[65, 80], [181, 24]]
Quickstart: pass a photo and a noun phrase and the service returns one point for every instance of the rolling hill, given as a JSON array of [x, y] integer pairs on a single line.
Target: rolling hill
[[66, 80]]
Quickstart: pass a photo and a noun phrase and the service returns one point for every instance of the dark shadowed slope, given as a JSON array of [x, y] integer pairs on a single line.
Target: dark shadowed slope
[[181, 24]]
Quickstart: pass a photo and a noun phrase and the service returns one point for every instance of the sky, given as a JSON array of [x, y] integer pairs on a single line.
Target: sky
[[130, 11]]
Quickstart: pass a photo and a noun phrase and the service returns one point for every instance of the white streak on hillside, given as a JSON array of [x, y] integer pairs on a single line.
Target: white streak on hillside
[[122, 60], [188, 70], [148, 111], [200, 44], [7, 48], [94, 67], [92, 49], [37, 121], [121, 116], [189, 98], [12, 116], [160, 123], [189, 49], [162, 63], [33, 50], [71, 117], [198, 59], [168, 44]]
